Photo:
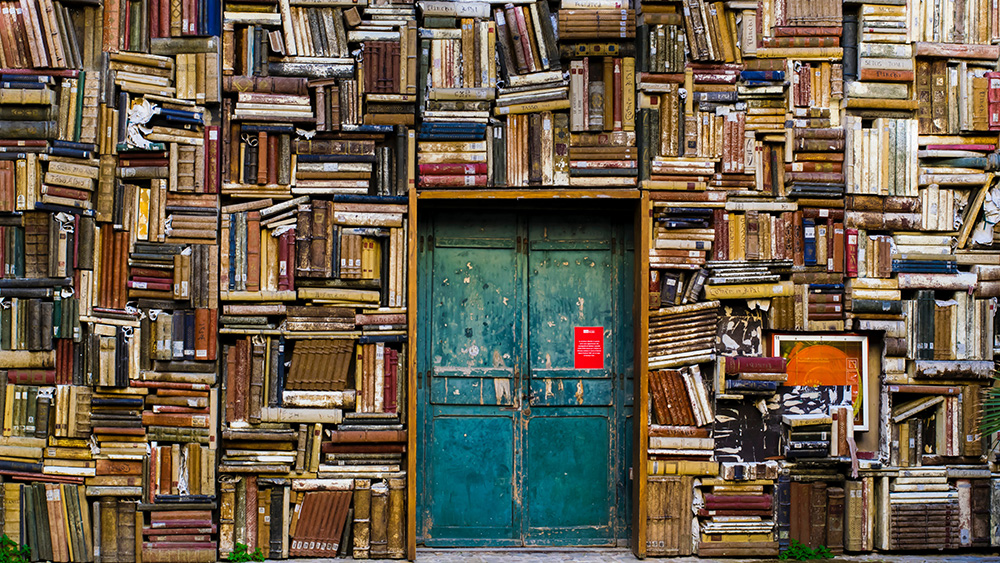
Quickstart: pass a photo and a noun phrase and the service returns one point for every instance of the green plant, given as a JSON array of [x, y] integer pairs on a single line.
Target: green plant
[[241, 555], [989, 417], [800, 552], [10, 552]]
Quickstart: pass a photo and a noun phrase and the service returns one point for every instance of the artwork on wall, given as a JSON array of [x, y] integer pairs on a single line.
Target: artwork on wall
[[828, 359]]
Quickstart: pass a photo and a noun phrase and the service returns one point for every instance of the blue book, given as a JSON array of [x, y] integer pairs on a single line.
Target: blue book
[[281, 369], [335, 158], [188, 334], [809, 241], [762, 75], [232, 252], [367, 128], [822, 286], [749, 385], [352, 198], [387, 338]]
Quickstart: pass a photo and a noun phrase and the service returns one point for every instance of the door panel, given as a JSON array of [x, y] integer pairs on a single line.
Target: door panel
[[518, 446], [472, 315], [569, 450], [473, 466], [568, 492]]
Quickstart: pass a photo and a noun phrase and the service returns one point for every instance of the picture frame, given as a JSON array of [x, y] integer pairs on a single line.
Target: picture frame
[[828, 359]]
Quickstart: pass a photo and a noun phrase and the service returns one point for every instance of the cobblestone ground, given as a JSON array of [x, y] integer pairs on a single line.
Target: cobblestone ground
[[624, 556]]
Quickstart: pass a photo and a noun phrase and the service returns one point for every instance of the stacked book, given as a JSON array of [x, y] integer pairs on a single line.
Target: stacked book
[[737, 519], [808, 435], [752, 376], [923, 508], [682, 335], [458, 76]]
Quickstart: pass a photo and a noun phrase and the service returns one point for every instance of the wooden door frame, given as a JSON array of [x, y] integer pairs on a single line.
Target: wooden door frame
[[640, 311]]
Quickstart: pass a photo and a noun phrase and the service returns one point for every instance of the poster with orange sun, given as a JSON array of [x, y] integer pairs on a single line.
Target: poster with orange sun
[[828, 359]]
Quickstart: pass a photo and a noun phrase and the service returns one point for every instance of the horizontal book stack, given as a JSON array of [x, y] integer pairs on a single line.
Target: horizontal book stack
[[458, 79], [752, 376], [921, 500], [808, 435], [737, 519]]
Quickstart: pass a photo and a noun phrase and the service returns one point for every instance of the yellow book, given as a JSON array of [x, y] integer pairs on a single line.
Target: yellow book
[[682, 467], [628, 93], [142, 214], [533, 107], [8, 410], [737, 537], [67, 533], [750, 290]]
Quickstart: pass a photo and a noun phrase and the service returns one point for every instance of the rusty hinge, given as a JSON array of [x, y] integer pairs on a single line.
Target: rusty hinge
[[519, 242], [614, 243]]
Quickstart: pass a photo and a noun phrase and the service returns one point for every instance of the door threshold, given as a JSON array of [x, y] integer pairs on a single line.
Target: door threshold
[[525, 549]]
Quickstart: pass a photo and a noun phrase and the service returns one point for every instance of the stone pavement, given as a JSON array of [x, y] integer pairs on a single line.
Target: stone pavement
[[625, 556]]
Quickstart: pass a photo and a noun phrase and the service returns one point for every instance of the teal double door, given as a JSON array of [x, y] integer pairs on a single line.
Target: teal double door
[[524, 378]]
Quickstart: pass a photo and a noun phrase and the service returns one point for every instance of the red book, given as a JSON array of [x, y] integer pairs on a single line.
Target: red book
[[165, 469], [272, 159], [616, 109], [213, 331], [447, 169], [154, 487], [253, 251], [993, 97], [852, 252], [720, 247], [749, 364], [885, 75], [522, 29], [452, 181], [283, 262], [164, 8], [201, 336], [137, 284], [154, 18], [146, 530], [31, 376], [961, 147]]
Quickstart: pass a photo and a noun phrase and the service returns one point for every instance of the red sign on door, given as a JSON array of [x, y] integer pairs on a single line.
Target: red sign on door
[[588, 347]]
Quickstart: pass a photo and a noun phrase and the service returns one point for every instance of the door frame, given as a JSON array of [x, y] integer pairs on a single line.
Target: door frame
[[639, 202]]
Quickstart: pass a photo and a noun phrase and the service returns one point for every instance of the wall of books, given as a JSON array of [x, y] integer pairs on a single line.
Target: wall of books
[[205, 230]]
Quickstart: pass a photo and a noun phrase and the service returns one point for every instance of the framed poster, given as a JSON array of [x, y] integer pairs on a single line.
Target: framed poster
[[828, 359]]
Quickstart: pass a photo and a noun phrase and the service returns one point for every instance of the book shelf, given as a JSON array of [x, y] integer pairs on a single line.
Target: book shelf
[[208, 233]]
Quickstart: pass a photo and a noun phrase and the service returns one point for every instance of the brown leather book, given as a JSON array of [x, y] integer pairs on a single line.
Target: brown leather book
[[319, 258], [242, 379], [126, 531], [118, 467], [264, 522], [395, 545], [251, 511], [302, 533], [109, 529], [257, 367], [835, 520], [253, 251], [266, 85], [379, 516], [817, 514], [362, 518], [57, 530]]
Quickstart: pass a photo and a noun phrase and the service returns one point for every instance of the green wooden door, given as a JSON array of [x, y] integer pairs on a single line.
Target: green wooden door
[[518, 446]]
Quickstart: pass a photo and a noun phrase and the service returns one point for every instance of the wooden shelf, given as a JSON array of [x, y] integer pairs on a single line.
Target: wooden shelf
[[540, 193]]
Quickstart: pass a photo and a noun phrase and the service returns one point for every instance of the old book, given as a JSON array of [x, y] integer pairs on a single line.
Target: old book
[[362, 518]]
